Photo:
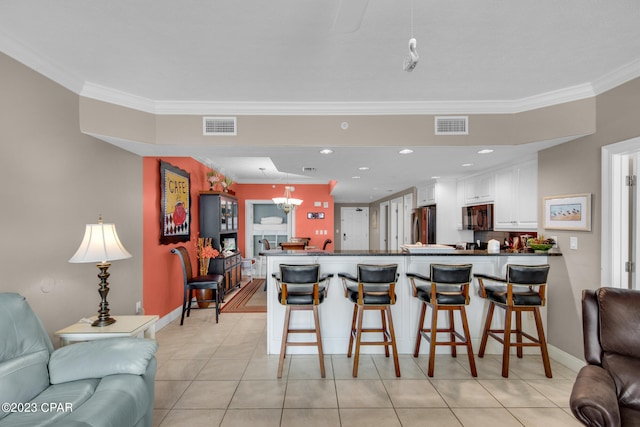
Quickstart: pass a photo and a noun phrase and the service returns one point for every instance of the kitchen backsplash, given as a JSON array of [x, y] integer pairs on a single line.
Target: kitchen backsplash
[[485, 236]]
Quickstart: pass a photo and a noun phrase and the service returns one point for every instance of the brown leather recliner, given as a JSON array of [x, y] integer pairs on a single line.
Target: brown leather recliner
[[607, 390]]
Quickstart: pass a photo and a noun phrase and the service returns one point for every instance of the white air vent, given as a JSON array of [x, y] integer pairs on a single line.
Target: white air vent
[[308, 169], [452, 125], [219, 126]]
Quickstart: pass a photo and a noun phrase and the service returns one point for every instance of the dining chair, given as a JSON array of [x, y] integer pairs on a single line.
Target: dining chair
[[212, 282]]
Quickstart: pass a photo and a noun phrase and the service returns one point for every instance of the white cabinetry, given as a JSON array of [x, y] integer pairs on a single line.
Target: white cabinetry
[[516, 197], [427, 194], [479, 189]]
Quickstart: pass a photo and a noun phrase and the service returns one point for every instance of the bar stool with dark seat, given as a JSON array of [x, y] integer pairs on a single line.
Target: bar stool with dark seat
[[192, 283], [301, 287], [372, 289], [523, 289], [447, 289]]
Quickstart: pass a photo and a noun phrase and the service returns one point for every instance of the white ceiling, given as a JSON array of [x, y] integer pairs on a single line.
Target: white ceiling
[[324, 56]]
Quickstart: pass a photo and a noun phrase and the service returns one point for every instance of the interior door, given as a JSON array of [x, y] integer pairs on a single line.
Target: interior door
[[384, 224], [355, 228], [396, 227], [406, 218]]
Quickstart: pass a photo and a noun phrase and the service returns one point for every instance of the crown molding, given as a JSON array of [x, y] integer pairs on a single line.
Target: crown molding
[[117, 97], [617, 77], [102, 93], [39, 63]]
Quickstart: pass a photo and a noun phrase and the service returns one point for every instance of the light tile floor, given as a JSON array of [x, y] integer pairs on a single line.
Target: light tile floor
[[220, 375]]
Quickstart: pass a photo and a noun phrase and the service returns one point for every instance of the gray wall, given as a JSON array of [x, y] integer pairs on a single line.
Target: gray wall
[[572, 168], [56, 180]]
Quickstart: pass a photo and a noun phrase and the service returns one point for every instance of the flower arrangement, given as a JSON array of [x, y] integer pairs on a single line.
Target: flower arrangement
[[213, 178], [226, 183], [205, 253]]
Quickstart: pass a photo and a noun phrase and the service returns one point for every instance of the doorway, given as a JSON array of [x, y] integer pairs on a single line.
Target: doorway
[[620, 214], [355, 228], [384, 222], [396, 224]]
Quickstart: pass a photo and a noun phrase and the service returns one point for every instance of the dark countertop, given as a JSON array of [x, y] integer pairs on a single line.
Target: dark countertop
[[320, 252]]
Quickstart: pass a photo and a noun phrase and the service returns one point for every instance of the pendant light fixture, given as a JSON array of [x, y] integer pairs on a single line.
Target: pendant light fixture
[[287, 203], [411, 60]]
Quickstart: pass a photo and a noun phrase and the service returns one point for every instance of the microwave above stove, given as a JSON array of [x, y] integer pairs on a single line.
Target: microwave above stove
[[478, 217]]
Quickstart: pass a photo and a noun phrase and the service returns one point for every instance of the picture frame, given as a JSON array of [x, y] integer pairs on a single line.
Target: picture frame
[[175, 204], [569, 212], [315, 215]]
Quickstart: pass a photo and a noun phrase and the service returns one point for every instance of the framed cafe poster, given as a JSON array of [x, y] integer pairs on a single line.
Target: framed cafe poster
[[175, 204]]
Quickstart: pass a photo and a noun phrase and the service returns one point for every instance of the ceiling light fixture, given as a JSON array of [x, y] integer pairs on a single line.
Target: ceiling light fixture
[[485, 151], [287, 203], [363, 168], [406, 151], [326, 151], [466, 165]]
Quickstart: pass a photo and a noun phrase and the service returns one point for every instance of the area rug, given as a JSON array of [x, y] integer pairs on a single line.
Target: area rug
[[251, 298]]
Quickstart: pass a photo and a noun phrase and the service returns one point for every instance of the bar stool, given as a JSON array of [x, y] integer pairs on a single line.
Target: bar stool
[[447, 289], [524, 291], [373, 289], [301, 287]]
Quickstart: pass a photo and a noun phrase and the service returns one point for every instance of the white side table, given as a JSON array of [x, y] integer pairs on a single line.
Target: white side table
[[125, 326]]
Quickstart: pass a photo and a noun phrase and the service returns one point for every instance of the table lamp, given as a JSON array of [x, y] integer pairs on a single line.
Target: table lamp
[[101, 244]]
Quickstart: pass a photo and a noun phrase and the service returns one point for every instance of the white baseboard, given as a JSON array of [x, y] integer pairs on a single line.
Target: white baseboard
[[170, 317], [560, 356]]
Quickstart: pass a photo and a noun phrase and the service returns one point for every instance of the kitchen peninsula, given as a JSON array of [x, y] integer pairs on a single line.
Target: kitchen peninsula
[[336, 310]]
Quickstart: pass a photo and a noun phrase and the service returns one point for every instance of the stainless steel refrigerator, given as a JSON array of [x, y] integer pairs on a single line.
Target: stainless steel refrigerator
[[423, 227]]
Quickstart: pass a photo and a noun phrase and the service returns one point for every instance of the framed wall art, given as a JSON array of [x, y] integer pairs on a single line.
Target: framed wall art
[[175, 204], [571, 212]]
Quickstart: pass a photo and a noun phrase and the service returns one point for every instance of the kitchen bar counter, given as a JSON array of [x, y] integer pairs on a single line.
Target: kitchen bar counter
[[320, 252], [336, 310]]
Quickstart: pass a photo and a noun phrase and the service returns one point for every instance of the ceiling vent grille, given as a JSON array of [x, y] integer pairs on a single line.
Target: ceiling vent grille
[[452, 125], [308, 169], [219, 126]]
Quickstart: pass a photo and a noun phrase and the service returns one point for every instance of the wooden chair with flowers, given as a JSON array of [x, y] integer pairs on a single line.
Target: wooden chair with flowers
[[205, 287]]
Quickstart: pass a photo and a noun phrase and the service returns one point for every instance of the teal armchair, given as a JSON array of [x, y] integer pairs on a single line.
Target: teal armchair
[[107, 382]]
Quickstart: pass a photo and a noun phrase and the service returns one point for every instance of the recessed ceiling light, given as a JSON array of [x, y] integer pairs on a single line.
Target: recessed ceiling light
[[406, 151], [326, 151], [466, 165], [485, 151], [363, 168], [355, 177], [435, 177]]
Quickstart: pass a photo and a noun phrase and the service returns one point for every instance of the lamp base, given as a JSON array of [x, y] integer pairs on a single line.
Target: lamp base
[[103, 314], [104, 322]]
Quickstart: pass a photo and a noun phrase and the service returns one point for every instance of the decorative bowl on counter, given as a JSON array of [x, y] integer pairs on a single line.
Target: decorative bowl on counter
[[540, 247]]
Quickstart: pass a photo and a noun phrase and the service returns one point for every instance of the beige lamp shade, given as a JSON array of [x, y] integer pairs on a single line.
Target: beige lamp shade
[[100, 244]]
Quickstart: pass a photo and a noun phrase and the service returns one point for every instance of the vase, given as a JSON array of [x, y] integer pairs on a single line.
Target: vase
[[204, 266], [202, 295]]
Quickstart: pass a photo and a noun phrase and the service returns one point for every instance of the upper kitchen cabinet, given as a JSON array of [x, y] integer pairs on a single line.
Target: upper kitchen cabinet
[[219, 219], [516, 197], [479, 189], [427, 194]]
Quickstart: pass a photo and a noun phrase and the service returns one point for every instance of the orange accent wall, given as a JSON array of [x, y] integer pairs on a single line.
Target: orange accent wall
[[309, 193], [161, 271], [162, 289]]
